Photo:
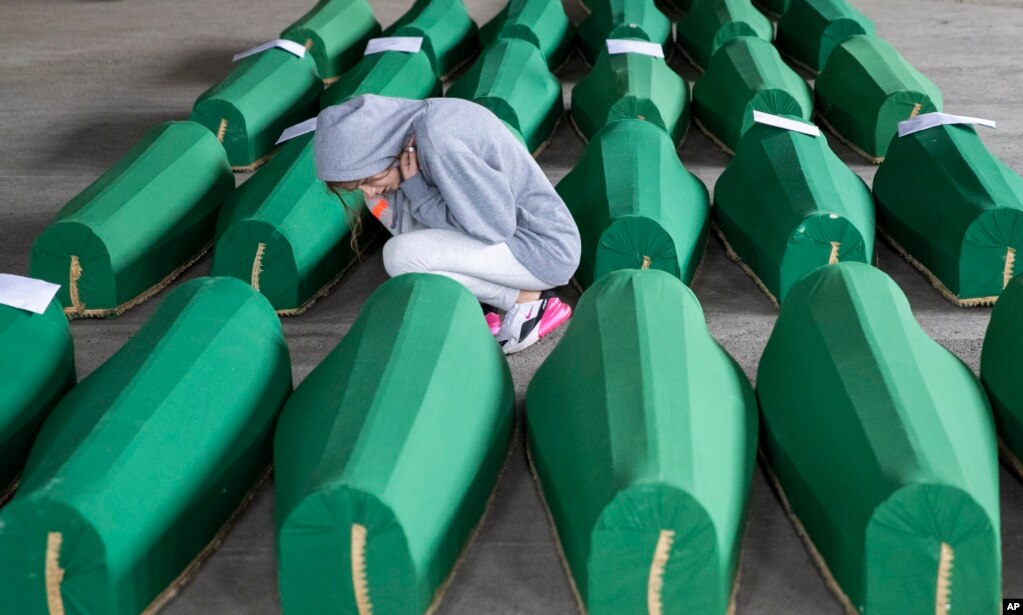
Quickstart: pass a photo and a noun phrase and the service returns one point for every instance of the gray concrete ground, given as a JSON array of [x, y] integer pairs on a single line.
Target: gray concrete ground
[[81, 81]]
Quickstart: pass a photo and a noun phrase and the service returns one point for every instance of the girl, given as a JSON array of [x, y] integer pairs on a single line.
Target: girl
[[462, 197]]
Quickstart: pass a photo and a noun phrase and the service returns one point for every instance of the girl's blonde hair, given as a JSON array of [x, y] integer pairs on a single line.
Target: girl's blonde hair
[[352, 216]]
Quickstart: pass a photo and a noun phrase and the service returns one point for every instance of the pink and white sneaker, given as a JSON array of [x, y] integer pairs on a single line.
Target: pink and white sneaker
[[526, 323], [493, 318]]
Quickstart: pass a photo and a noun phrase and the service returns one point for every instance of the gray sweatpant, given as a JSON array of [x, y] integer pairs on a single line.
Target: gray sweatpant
[[489, 271]]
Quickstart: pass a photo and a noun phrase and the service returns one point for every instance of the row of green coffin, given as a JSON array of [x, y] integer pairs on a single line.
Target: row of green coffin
[[915, 472], [808, 32], [275, 89], [897, 491], [862, 94], [786, 204], [384, 461]]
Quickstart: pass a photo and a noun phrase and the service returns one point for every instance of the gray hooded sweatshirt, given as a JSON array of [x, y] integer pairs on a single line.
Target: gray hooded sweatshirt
[[474, 176]]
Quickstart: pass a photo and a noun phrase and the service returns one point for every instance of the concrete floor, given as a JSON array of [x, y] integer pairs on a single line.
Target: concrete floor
[[80, 82]]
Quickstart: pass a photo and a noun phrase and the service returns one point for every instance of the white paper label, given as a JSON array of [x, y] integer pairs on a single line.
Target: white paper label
[[407, 44], [783, 122], [26, 293], [930, 120], [616, 46], [297, 130], [290, 46]]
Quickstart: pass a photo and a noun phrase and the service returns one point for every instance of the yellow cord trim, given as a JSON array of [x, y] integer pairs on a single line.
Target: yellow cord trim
[[308, 44], [1010, 263], [257, 265], [54, 573], [833, 258], [75, 275], [942, 602], [655, 585], [646, 262], [359, 580], [222, 131], [916, 110]]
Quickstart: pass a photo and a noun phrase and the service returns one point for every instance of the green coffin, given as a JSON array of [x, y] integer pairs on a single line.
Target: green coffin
[[138, 469], [139, 225], [631, 86], [285, 234], [882, 444], [391, 73], [636, 206], [540, 22], [954, 210], [642, 433], [37, 360], [865, 90], [511, 78], [744, 76], [449, 33], [387, 453], [335, 32], [772, 8], [786, 204], [249, 109], [712, 23], [638, 19], [1000, 369], [811, 29]]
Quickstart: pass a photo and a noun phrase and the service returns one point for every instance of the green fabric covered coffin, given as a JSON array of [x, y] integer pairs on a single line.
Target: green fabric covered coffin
[[772, 8], [631, 86], [1000, 369], [786, 204], [139, 225], [642, 433], [540, 22], [636, 205], [335, 32], [744, 76], [285, 234], [811, 29], [391, 73], [954, 210], [387, 453], [712, 23], [511, 78], [865, 90], [638, 19], [449, 33], [37, 360], [262, 96], [138, 469], [882, 444]]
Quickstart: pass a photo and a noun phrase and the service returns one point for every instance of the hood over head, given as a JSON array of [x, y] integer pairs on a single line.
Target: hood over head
[[362, 136]]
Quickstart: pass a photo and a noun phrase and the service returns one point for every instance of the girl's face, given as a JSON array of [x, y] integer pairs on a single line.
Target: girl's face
[[385, 181]]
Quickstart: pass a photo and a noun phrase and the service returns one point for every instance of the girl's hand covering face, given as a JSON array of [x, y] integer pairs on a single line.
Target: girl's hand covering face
[[408, 162]]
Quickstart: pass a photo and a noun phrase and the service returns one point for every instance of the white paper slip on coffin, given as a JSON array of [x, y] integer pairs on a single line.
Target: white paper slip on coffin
[[290, 46], [788, 124], [26, 293]]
